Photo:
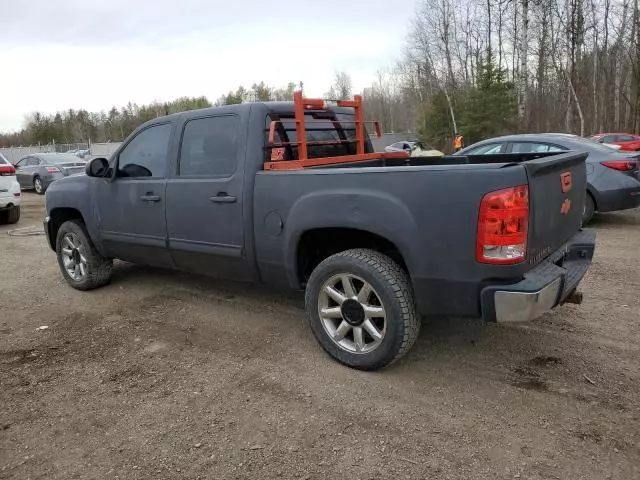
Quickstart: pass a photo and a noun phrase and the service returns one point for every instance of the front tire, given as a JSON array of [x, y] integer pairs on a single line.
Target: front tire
[[38, 185], [361, 309], [82, 266]]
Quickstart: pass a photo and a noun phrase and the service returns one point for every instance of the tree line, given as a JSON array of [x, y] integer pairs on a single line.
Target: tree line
[[475, 67], [81, 126], [488, 67]]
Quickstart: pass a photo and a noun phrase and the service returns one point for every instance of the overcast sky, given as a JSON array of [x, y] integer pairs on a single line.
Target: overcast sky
[[58, 54]]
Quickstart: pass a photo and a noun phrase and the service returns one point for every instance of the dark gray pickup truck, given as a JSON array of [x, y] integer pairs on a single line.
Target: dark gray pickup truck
[[291, 195]]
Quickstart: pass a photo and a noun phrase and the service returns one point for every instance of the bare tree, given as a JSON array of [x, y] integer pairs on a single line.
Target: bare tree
[[342, 86], [523, 79]]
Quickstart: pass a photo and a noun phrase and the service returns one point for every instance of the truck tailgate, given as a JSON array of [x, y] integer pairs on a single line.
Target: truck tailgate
[[557, 189]]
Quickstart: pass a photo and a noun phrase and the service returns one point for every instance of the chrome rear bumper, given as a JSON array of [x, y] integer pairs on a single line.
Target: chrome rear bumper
[[525, 306], [544, 287]]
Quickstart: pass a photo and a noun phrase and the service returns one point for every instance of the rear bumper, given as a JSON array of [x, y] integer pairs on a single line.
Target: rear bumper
[[49, 179], [10, 195], [619, 200], [544, 287]]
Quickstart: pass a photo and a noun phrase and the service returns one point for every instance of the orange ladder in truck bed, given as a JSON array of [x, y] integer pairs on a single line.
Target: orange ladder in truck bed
[[301, 104]]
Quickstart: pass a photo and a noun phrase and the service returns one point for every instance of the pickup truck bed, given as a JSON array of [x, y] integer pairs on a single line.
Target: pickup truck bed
[[291, 195], [419, 210]]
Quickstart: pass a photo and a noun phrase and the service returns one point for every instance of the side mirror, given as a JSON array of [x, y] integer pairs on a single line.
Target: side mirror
[[97, 167]]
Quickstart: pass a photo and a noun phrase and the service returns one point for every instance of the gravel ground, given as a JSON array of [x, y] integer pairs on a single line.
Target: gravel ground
[[166, 375]]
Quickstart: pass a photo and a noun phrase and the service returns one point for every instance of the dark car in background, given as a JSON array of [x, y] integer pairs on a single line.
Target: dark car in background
[[39, 170], [613, 177]]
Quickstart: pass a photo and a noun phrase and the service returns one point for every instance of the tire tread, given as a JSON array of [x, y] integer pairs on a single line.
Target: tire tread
[[399, 283], [99, 269]]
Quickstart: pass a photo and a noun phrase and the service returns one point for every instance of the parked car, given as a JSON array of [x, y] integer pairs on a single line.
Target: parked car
[[627, 142], [415, 147], [82, 153], [376, 240], [39, 170], [9, 193], [613, 178]]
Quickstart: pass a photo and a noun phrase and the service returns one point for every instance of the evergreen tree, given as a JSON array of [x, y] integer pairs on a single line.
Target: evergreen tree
[[490, 107]]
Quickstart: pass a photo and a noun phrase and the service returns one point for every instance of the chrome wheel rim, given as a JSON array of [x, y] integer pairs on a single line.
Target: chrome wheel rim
[[73, 259], [352, 313], [38, 185]]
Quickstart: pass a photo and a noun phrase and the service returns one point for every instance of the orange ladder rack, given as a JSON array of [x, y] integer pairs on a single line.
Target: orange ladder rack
[[302, 104]]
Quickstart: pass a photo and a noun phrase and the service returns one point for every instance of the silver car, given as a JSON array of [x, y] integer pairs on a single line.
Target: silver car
[[613, 177], [39, 170]]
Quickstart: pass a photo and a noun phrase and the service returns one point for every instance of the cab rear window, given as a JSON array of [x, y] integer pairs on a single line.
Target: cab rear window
[[336, 131]]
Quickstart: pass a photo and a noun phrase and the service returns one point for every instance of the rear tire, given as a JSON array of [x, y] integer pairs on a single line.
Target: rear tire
[[82, 266], [361, 309], [13, 215], [589, 209], [38, 186]]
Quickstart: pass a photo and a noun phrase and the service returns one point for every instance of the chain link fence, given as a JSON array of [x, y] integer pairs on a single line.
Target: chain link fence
[[13, 154]]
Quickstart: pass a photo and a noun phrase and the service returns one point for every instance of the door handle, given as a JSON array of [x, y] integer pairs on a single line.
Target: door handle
[[223, 198], [150, 197]]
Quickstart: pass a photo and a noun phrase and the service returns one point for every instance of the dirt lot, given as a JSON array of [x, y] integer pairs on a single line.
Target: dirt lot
[[163, 375]]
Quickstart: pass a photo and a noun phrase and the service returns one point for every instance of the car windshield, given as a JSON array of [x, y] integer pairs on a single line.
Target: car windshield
[[3, 160]]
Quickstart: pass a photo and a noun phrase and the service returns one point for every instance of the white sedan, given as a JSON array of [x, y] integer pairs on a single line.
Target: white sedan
[[9, 193]]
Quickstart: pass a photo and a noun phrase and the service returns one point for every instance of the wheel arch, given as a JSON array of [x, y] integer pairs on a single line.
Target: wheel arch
[[57, 217], [316, 244]]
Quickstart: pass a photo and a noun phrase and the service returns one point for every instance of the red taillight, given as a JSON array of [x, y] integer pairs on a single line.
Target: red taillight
[[53, 169], [7, 170], [503, 223], [17, 194], [621, 165]]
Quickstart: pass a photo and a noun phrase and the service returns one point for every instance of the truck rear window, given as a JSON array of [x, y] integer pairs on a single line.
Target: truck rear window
[[320, 127]]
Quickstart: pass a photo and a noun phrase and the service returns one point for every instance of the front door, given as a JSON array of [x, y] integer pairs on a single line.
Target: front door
[[204, 199], [131, 206]]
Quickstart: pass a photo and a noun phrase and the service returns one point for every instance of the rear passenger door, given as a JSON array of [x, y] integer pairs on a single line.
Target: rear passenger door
[[205, 201], [25, 169]]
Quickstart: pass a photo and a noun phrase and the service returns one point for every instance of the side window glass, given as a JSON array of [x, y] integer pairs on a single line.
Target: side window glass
[[609, 139], [486, 149], [146, 154], [625, 138], [210, 146], [531, 147]]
